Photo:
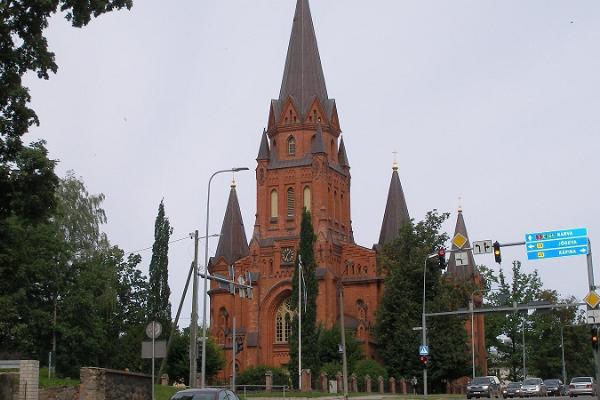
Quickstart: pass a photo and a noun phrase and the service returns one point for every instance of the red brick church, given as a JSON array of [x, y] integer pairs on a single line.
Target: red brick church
[[301, 162]]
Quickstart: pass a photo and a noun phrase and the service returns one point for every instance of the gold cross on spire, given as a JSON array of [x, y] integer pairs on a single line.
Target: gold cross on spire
[[395, 164]]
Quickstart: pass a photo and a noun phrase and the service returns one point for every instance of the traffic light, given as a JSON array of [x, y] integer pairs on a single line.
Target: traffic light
[[442, 257], [424, 360], [594, 332], [497, 254]]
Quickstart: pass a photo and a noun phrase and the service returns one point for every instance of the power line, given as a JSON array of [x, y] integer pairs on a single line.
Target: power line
[[150, 248]]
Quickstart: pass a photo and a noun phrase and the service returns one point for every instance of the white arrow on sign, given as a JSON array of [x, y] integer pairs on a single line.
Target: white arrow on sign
[[529, 238], [482, 247], [461, 258]]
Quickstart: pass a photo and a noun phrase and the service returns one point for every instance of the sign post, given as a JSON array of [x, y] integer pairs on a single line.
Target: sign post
[[153, 330]]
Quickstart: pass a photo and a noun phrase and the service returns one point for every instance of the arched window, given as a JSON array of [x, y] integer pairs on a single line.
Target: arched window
[[307, 198], [274, 199], [291, 146], [290, 202], [283, 321], [223, 317]]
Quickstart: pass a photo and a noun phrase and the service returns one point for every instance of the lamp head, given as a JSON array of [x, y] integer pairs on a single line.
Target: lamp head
[[237, 169]]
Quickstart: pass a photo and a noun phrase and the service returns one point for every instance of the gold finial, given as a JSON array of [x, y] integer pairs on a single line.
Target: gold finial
[[459, 204], [233, 179], [395, 164]]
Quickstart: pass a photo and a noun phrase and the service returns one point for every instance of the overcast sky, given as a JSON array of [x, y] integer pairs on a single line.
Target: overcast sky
[[497, 102]]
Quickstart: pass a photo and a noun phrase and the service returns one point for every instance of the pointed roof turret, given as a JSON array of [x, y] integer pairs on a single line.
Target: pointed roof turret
[[466, 266], [303, 77], [396, 211], [232, 242], [342, 156], [263, 151], [317, 145]]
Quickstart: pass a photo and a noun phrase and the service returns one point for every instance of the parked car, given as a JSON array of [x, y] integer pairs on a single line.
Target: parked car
[[483, 386], [205, 394], [533, 387], [513, 389], [554, 387], [582, 385]]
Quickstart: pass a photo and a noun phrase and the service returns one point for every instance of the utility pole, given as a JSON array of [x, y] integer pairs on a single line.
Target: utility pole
[[592, 285], [194, 327], [299, 323]]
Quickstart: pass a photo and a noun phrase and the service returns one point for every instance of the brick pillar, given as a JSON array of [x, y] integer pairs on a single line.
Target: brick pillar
[[29, 376], [367, 384], [306, 380], [340, 382], [403, 386], [269, 380], [164, 380], [324, 383], [353, 383], [392, 385]]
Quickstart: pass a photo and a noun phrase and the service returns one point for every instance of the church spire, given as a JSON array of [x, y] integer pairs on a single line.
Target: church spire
[[396, 211], [263, 151], [342, 156], [463, 268], [232, 242], [303, 77]]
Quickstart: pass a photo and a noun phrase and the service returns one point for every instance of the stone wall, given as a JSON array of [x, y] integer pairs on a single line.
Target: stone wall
[[29, 376], [108, 384]]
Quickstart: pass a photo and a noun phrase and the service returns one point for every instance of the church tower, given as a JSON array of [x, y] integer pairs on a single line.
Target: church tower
[[301, 162], [462, 268]]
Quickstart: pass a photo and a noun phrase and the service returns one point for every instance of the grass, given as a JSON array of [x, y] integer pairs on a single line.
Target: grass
[[46, 382], [164, 392]]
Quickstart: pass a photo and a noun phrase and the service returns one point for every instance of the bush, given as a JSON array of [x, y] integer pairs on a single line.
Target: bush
[[369, 367], [256, 376], [331, 369]]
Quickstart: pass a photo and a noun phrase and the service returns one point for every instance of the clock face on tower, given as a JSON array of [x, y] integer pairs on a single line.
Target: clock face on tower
[[287, 255]]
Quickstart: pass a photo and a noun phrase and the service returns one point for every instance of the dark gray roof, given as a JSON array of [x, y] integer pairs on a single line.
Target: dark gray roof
[[263, 151], [342, 156], [303, 77], [396, 211], [463, 272], [232, 242], [317, 145]]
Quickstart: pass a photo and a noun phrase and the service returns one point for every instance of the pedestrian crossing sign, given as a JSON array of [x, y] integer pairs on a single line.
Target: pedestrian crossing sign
[[423, 350]]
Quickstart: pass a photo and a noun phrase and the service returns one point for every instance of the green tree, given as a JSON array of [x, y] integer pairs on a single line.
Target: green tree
[[402, 261], [159, 306], [310, 333], [329, 339]]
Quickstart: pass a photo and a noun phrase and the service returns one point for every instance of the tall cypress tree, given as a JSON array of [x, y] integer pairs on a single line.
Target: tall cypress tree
[[310, 334], [159, 306]]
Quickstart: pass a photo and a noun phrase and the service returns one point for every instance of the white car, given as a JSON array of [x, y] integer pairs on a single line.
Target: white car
[[582, 385]]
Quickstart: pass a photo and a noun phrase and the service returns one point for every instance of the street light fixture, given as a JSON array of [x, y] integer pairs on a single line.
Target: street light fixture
[[195, 314]]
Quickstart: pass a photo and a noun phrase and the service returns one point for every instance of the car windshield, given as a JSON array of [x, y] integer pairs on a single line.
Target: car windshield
[[480, 381], [514, 384], [580, 380], [535, 381], [551, 382]]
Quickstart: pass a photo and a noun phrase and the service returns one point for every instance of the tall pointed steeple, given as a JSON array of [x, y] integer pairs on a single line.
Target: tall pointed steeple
[[303, 77], [317, 142], [396, 211], [232, 242], [463, 268]]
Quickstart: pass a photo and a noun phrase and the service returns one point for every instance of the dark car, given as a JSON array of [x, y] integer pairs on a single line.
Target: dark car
[[513, 389], [554, 387], [205, 394], [483, 386]]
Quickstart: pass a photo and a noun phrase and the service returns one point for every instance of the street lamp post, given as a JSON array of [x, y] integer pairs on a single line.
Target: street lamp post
[[424, 322], [195, 322]]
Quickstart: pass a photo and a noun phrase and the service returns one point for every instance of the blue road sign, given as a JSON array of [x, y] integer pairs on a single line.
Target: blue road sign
[[423, 350], [552, 244]]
